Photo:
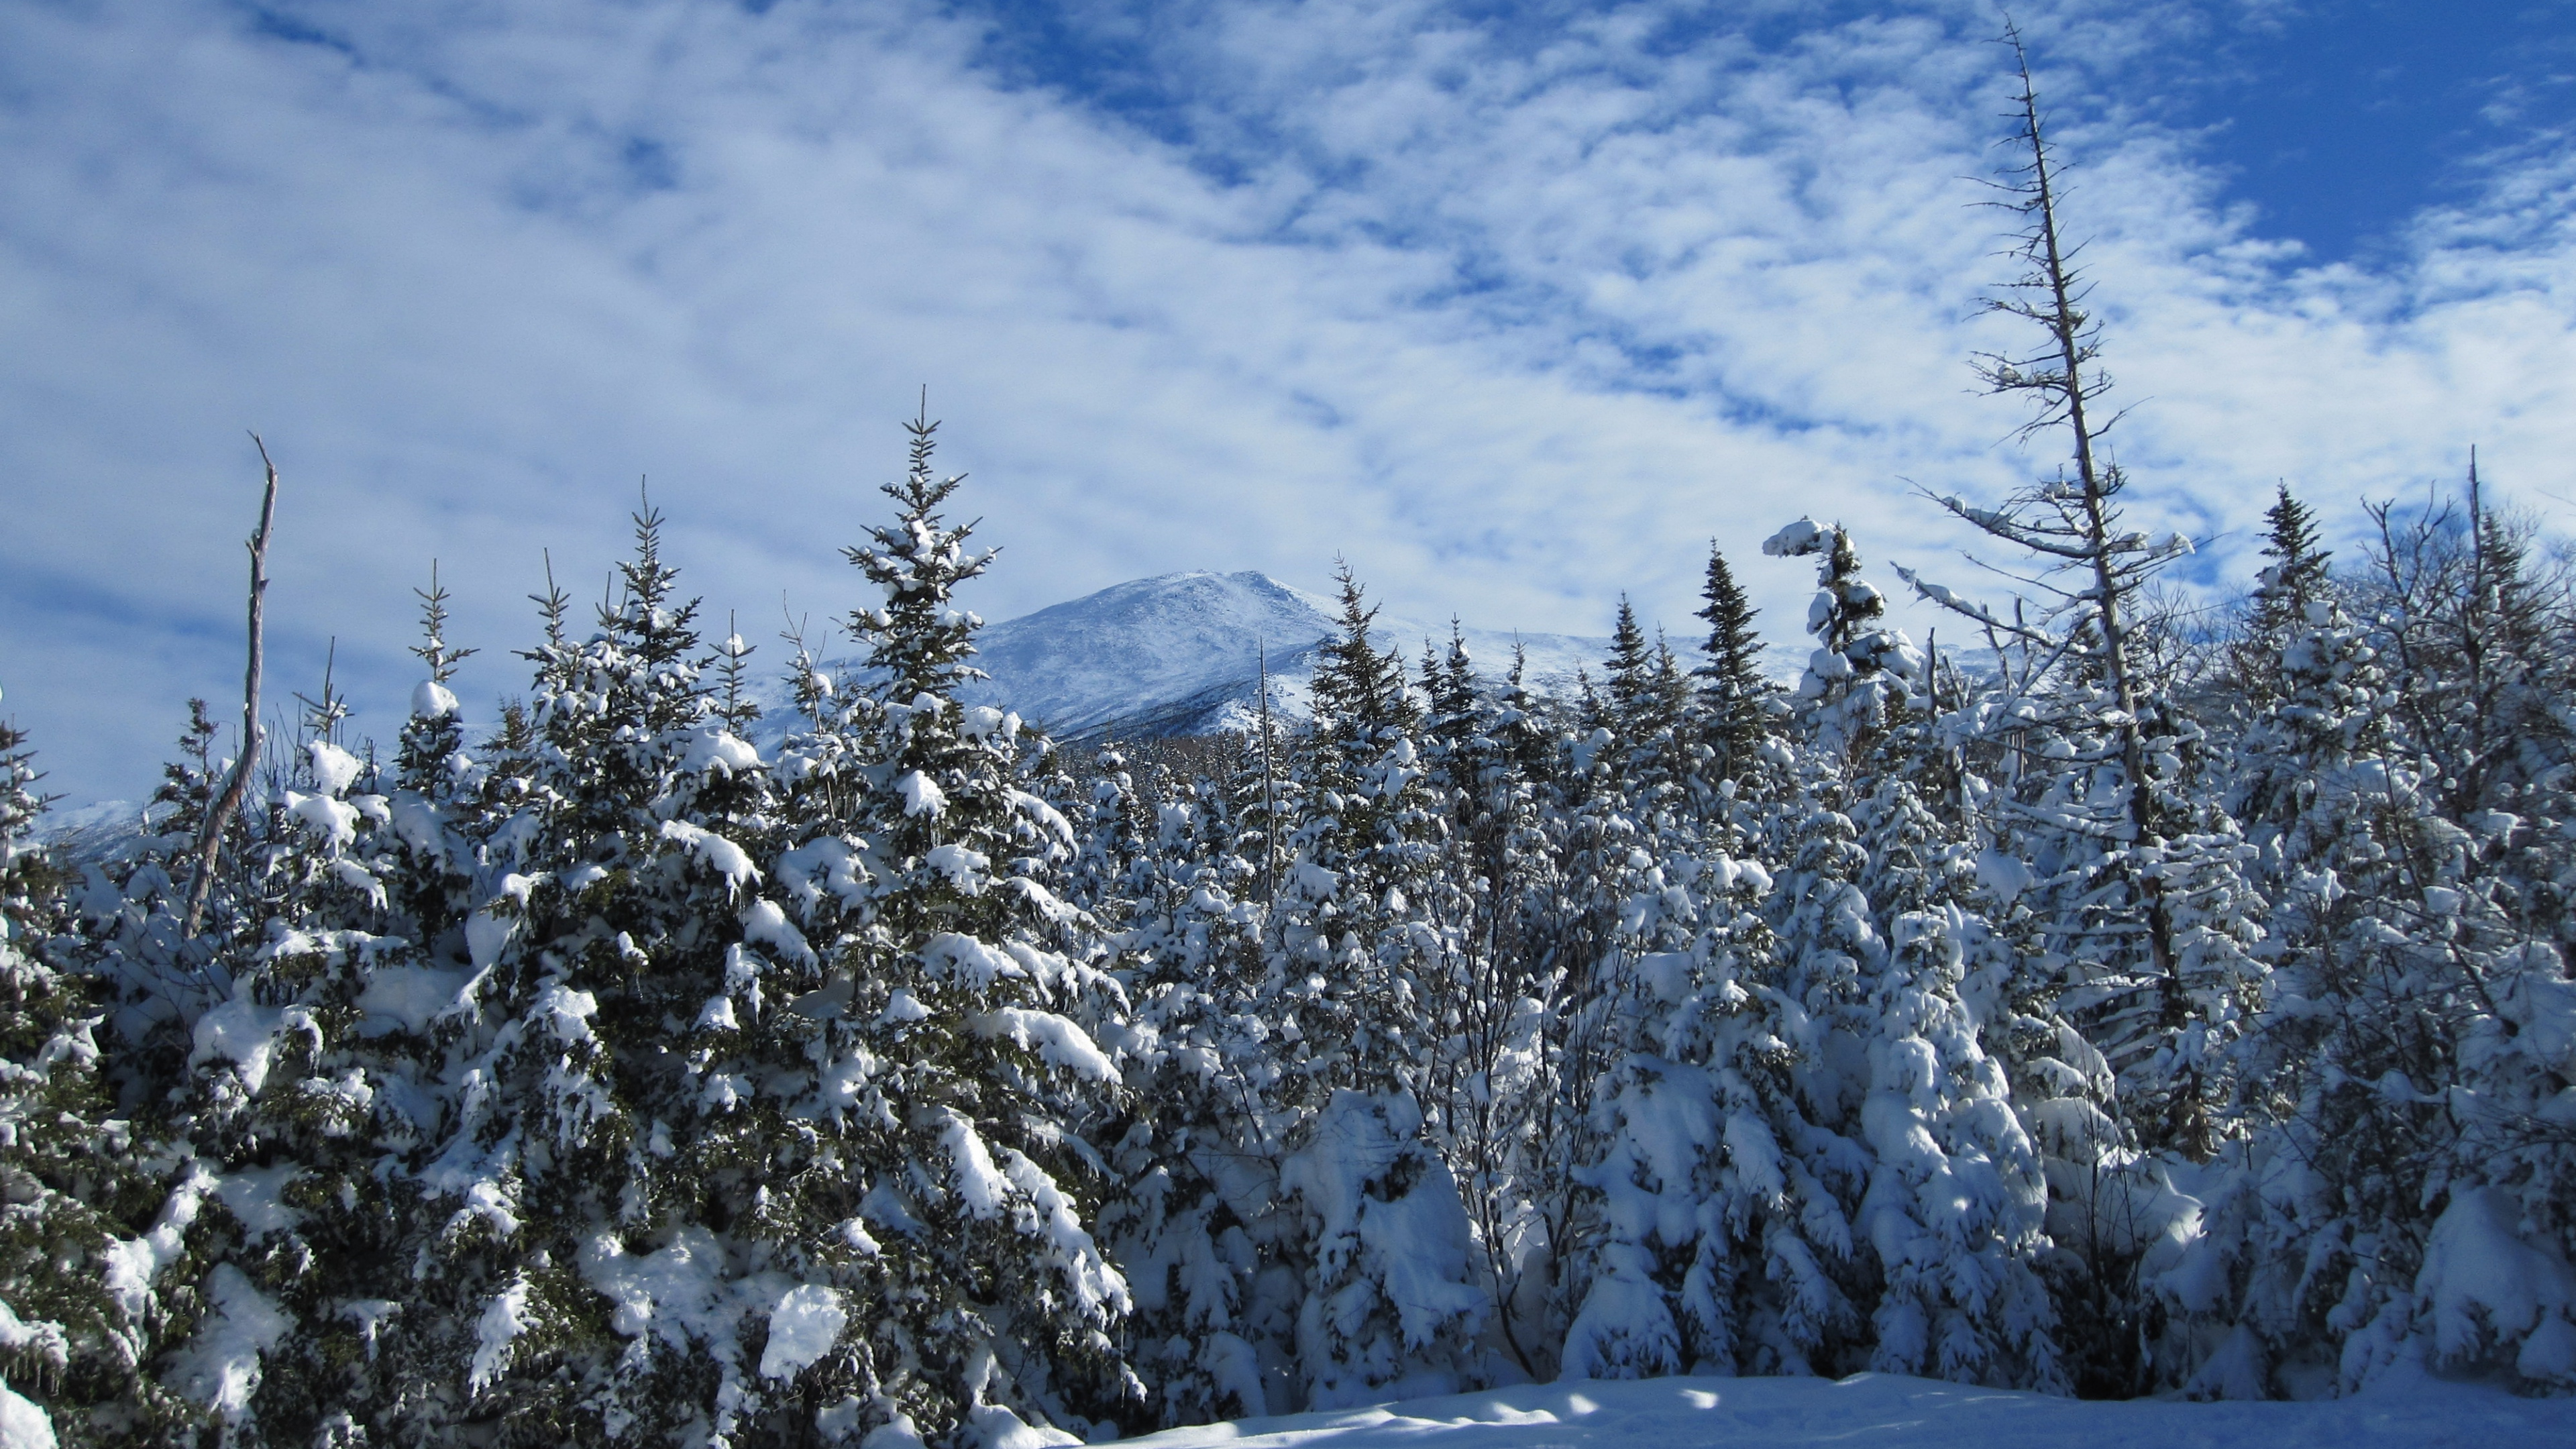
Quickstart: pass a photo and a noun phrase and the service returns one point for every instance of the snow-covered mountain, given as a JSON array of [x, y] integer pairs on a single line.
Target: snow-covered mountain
[[1181, 654], [91, 832]]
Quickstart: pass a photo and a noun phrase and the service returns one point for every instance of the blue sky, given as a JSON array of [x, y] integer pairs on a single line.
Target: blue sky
[[1513, 306], [2338, 122]]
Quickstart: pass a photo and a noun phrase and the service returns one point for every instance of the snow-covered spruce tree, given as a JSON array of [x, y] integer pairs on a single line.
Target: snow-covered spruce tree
[[1601, 908], [1953, 1212], [1642, 705], [154, 978], [957, 1074], [1631, 823], [2060, 1088], [1362, 847], [1486, 1080], [83, 1312], [2300, 573], [1723, 1242], [432, 795], [1389, 1306], [1957, 1202], [2142, 874], [2423, 1010], [1861, 674], [241, 1047], [2341, 824], [597, 1245], [1736, 701], [1215, 1259], [1627, 702], [300, 1082], [1197, 1224], [1113, 830]]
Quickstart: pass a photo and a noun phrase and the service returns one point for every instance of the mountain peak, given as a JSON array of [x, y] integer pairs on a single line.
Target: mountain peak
[[1087, 664], [1182, 653]]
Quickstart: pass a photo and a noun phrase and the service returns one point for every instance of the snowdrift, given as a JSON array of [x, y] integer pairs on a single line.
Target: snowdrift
[[1881, 1411]]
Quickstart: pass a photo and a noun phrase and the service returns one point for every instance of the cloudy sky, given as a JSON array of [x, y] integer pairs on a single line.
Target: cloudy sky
[[1515, 307]]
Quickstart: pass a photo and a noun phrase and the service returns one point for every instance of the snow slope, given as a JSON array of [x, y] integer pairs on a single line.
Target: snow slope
[[1878, 1411], [89, 832]]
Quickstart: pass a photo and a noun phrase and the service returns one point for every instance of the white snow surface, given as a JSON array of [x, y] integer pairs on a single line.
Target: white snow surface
[[256, 1197], [410, 995], [243, 1032], [802, 1328], [334, 768], [2481, 1276], [712, 748], [22, 1424], [721, 855], [220, 1367], [1884, 1411]]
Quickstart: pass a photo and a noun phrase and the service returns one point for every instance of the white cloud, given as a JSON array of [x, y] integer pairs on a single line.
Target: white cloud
[[1514, 313]]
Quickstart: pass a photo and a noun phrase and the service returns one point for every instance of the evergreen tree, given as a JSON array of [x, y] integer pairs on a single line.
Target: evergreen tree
[[2404, 1071], [2299, 574], [432, 789], [1956, 1208], [959, 1065], [1357, 948], [1197, 1225], [1628, 673], [1734, 694], [1358, 859], [1485, 1080], [299, 1084], [1881, 917], [89, 1293], [1725, 1242], [1862, 674], [595, 1244]]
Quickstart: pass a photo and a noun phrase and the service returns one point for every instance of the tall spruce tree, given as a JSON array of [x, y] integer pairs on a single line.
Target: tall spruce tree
[[1196, 1222], [957, 1065], [1735, 696]]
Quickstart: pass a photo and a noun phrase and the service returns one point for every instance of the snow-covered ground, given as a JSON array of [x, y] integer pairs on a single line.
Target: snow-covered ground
[[1878, 1411]]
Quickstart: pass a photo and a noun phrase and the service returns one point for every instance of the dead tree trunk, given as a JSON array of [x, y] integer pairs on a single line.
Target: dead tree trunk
[[228, 804]]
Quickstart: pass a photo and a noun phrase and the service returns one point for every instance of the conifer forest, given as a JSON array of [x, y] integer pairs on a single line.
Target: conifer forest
[[2134, 995]]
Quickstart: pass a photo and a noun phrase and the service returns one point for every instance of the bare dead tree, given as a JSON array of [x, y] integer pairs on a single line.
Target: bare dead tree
[[228, 804]]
